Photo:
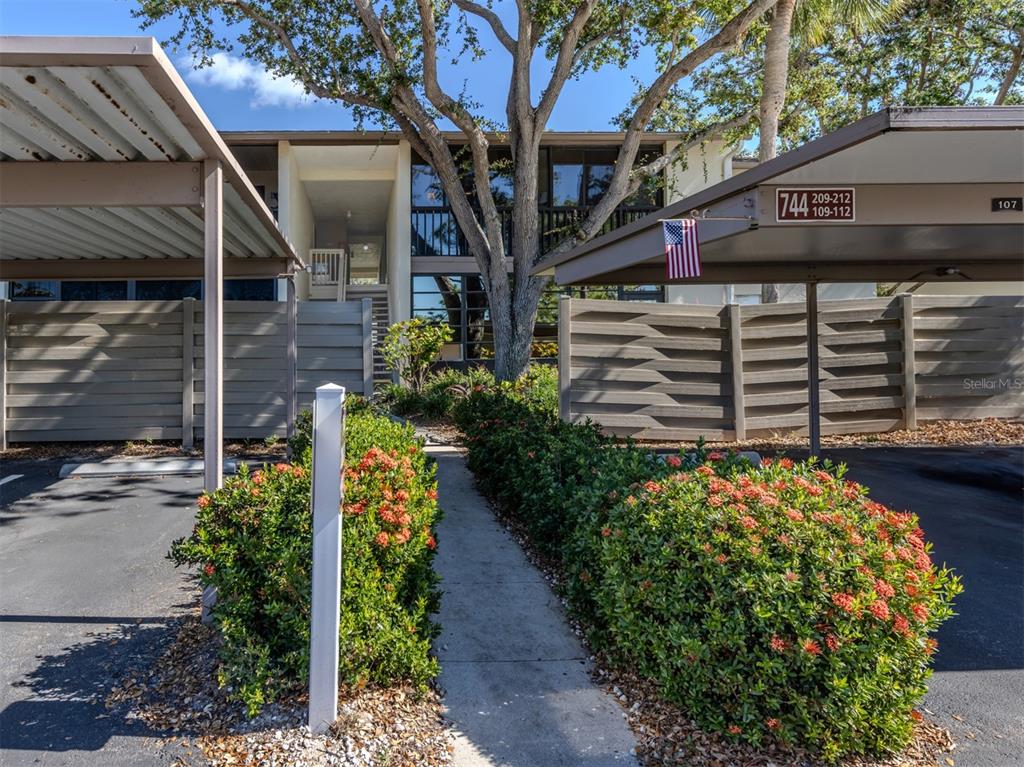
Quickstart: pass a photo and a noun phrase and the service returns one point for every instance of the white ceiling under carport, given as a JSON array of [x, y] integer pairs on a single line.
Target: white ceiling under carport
[[114, 100]]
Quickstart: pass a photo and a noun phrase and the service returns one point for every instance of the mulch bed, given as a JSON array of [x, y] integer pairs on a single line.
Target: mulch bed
[[255, 450], [178, 696], [978, 433]]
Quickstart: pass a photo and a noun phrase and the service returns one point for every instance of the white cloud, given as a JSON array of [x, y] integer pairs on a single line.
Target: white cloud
[[238, 74]]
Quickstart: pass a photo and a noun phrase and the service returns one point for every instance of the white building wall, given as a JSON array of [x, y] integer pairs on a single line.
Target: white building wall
[[399, 236], [295, 214]]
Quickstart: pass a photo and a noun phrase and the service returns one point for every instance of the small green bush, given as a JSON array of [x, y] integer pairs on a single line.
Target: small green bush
[[412, 346], [253, 542], [770, 603]]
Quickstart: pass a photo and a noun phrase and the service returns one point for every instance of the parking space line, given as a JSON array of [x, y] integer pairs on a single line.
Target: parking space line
[[11, 478]]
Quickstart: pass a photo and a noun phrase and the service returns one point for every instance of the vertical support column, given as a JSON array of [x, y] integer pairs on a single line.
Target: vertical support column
[[367, 315], [813, 393], [292, 373], [213, 324], [188, 318], [564, 357], [328, 460], [909, 364], [3, 373], [736, 360]]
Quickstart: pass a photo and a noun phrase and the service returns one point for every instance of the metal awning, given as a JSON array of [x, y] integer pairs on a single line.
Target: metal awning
[[110, 169], [923, 183], [101, 154], [908, 194]]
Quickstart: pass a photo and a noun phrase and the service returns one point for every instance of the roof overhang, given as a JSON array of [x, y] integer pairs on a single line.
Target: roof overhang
[[102, 149], [923, 179]]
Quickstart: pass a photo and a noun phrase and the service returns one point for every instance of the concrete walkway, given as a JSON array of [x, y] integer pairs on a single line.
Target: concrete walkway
[[516, 680]]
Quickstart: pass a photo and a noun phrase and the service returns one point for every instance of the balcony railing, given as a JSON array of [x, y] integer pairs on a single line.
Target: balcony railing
[[435, 232], [326, 266]]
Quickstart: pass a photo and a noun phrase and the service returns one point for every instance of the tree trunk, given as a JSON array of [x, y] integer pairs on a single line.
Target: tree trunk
[[1011, 74], [773, 97]]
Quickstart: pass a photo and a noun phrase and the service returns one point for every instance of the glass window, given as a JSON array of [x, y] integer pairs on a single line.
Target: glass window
[[34, 290], [250, 290], [426, 187], [566, 184], [167, 290], [439, 298], [94, 290], [598, 179]]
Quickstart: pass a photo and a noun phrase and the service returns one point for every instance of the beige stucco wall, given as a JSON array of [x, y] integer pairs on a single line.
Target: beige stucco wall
[[399, 236], [295, 214]]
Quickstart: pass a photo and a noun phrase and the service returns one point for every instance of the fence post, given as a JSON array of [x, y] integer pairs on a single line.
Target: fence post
[[3, 373], [291, 384], [188, 372], [328, 459], [367, 304], [736, 361], [564, 357], [909, 364]]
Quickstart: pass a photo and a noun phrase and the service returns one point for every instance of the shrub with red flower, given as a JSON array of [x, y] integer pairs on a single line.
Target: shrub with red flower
[[756, 599], [741, 585], [253, 542]]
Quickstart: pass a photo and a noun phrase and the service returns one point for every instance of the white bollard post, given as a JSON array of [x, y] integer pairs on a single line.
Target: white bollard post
[[328, 456]]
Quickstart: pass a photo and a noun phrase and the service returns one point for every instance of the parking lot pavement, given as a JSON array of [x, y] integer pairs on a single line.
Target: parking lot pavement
[[85, 594], [970, 504]]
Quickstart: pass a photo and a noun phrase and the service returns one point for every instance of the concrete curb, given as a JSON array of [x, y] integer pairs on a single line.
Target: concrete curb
[[152, 467]]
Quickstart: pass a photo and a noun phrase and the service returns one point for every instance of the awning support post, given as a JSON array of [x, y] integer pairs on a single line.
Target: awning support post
[[213, 324], [813, 392], [293, 345]]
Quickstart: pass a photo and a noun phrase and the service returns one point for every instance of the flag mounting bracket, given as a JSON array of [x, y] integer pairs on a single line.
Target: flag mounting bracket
[[702, 215]]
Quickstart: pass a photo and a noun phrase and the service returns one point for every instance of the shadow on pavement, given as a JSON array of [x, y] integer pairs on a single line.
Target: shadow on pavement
[[66, 709]]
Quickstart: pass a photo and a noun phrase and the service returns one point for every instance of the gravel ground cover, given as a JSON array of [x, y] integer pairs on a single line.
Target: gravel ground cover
[[178, 695]]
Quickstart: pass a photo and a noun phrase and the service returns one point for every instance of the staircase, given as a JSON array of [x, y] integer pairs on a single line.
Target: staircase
[[378, 294]]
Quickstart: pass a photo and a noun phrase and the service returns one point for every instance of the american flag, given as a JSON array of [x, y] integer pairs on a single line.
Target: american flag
[[682, 251]]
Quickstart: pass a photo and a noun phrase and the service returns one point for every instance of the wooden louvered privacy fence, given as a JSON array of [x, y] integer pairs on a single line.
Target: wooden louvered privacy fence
[[678, 372], [113, 370]]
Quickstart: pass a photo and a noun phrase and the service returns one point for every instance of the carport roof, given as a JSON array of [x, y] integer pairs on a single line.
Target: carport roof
[[924, 180], [101, 150]]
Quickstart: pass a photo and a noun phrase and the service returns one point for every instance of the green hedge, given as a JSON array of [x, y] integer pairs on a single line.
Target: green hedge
[[777, 602], [253, 542]]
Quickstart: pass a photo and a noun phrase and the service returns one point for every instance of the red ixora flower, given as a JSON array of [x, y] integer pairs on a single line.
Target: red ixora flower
[[811, 647], [281, 467], [748, 522], [714, 455], [735, 729], [209, 570], [674, 461], [791, 576], [832, 642], [707, 471], [606, 531], [721, 559], [920, 612], [772, 723], [257, 477], [880, 609], [901, 625], [883, 589], [786, 463], [432, 494], [382, 540], [843, 601], [431, 543], [778, 644], [203, 502], [652, 486]]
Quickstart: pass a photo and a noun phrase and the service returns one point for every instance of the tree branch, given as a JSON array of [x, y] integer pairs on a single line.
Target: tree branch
[[492, 19], [565, 61]]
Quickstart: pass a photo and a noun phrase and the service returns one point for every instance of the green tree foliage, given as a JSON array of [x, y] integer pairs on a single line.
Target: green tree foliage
[[380, 59]]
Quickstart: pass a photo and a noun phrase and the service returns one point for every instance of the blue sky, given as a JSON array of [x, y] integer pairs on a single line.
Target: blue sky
[[239, 96]]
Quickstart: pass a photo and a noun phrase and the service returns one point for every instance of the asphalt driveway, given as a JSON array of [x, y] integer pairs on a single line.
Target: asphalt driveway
[[970, 504], [85, 595]]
